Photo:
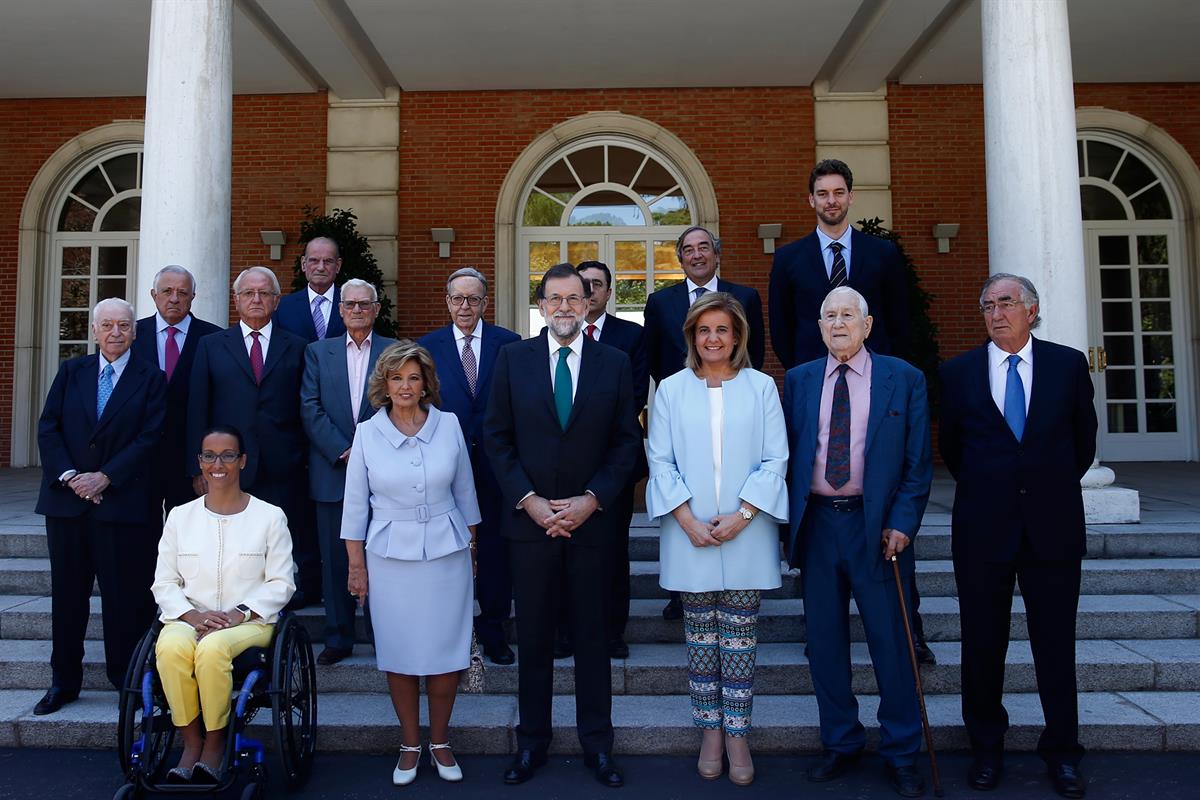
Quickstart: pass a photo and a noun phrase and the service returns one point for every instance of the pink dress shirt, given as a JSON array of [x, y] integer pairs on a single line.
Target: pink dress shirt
[[357, 358], [858, 381]]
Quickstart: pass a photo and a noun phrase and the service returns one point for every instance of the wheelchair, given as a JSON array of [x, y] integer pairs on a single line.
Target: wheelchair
[[281, 677]]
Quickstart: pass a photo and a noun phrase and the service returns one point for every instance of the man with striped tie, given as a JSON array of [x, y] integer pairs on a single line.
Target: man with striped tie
[[313, 313]]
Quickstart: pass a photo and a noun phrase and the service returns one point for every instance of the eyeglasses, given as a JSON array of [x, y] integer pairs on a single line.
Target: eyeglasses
[[1004, 305], [363, 305], [124, 326], [473, 300], [228, 457], [573, 300], [254, 294]]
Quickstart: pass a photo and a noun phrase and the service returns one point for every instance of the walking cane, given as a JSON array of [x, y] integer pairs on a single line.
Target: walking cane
[[912, 654]]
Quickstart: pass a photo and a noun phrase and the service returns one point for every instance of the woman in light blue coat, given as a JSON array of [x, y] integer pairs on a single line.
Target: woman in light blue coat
[[408, 519], [718, 458]]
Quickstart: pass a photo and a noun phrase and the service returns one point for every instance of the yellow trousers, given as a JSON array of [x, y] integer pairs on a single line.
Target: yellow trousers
[[197, 676]]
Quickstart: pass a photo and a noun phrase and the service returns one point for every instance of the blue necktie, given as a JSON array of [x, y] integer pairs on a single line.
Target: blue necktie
[[104, 389], [1014, 398], [562, 387], [318, 315]]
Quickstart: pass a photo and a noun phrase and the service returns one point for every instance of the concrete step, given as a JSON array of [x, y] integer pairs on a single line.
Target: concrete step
[[1122, 616], [661, 669], [784, 724]]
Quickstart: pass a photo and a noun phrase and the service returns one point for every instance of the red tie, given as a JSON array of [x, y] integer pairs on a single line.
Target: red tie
[[591, 332], [172, 351], [256, 359]]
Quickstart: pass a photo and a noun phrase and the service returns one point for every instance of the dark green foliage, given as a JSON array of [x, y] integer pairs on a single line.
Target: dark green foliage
[[357, 259], [924, 355]]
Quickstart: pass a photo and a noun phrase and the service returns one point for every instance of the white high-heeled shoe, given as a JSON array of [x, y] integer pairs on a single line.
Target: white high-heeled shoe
[[452, 773], [403, 777]]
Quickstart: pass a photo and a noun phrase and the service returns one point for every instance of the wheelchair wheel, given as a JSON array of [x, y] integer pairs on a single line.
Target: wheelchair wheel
[[294, 700], [158, 728], [254, 791], [126, 792]]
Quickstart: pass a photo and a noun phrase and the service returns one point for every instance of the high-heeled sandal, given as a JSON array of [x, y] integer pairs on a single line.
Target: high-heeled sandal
[[403, 777], [452, 773]]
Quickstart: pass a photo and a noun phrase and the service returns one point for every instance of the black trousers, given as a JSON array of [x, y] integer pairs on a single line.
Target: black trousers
[[335, 566], [493, 580], [617, 612], [291, 494], [121, 556], [536, 567], [1051, 594]]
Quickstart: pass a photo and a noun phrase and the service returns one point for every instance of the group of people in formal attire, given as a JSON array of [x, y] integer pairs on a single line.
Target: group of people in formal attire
[[300, 457]]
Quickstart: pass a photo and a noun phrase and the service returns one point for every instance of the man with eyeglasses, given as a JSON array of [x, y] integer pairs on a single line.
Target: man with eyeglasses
[[312, 313], [333, 400], [1018, 432], [562, 438], [248, 376], [98, 437], [465, 354], [169, 338]]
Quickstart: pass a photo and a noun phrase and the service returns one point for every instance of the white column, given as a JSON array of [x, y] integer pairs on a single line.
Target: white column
[[189, 151], [1035, 226]]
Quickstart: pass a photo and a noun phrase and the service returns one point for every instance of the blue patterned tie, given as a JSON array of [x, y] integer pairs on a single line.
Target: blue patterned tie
[[837, 461], [104, 389], [562, 387], [1014, 398], [318, 317]]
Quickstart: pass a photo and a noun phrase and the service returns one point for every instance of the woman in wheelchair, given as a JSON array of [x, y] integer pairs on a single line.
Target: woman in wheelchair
[[224, 573]]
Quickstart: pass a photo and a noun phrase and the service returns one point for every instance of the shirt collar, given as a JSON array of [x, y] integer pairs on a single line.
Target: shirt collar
[[118, 365], [599, 323], [366, 343], [477, 333], [711, 286], [843, 240], [265, 333], [328, 295], [576, 346], [394, 437], [182, 326], [858, 362], [998, 357]]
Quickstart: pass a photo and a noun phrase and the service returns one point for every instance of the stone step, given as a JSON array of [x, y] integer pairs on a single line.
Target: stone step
[[783, 724], [1122, 616], [661, 669]]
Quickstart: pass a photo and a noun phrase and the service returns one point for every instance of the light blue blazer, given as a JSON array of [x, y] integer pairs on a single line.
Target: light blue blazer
[[754, 458], [410, 497]]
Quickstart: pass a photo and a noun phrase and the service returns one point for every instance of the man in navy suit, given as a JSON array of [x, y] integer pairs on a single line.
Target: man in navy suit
[[169, 338], [858, 433], [98, 437], [1018, 432], [312, 314], [562, 439], [700, 254], [333, 400], [833, 255], [248, 376], [465, 353]]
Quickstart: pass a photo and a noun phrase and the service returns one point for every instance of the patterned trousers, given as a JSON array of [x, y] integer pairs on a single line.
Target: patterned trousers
[[721, 630]]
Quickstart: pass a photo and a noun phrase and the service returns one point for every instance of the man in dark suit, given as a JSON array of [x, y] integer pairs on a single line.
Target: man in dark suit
[[629, 338], [858, 432], [248, 376], [169, 338], [562, 439], [700, 254], [312, 314], [465, 353], [98, 437], [1018, 432], [833, 255], [333, 400]]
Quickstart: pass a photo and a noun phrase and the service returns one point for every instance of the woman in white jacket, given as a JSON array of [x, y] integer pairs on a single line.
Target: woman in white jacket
[[224, 573]]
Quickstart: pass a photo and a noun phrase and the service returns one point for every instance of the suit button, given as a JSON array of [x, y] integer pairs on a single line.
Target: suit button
[[92, 445], [1022, 491], [420, 487], [416, 462]]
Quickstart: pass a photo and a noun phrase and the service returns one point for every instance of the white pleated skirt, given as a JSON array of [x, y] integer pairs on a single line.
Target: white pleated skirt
[[421, 612]]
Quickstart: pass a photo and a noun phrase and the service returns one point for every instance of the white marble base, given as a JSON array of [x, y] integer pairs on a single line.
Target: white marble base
[[1111, 505]]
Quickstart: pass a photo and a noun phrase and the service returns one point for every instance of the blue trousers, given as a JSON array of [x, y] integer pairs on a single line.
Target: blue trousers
[[839, 563], [335, 566]]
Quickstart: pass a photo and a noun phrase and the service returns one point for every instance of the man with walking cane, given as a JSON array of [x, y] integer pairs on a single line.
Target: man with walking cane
[[858, 433]]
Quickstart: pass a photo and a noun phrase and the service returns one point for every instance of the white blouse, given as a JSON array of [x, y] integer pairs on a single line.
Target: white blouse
[[716, 424]]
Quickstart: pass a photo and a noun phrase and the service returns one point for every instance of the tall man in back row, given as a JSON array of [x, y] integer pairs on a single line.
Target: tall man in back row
[[312, 314]]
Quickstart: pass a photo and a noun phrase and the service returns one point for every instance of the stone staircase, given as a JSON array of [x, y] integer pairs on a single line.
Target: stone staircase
[[1138, 659]]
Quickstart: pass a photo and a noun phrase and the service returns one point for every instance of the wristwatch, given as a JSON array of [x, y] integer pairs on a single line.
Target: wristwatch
[[746, 513], [246, 612]]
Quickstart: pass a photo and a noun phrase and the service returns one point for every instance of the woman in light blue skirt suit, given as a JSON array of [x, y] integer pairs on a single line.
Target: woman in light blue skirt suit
[[408, 519], [718, 458]]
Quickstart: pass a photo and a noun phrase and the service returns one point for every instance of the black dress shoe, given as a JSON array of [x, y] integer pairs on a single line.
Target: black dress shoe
[[673, 609], [332, 655], [924, 654], [54, 699], [563, 648], [618, 649], [832, 765], [523, 765], [500, 654], [1068, 781], [984, 774], [906, 781], [607, 772]]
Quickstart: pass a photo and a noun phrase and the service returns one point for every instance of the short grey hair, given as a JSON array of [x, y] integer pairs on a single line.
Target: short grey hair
[[173, 269], [359, 283], [845, 291], [467, 272], [716, 243], [237, 282], [119, 302], [1029, 292]]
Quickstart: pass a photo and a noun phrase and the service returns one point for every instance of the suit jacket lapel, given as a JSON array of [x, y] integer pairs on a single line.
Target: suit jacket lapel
[[1041, 374], [984, 391], [337, 363], [365, 410], [86, 381], [489, 347], [190, 343], [130, 382], [588, 374], [882, 385], [813, 381], [454, 357], [275, 353], [538, 371], [237, 349]]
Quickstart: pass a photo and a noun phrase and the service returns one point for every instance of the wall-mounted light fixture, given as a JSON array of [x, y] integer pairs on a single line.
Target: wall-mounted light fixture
[[274, 240], [944, 232], [443, 237], [768, 234]]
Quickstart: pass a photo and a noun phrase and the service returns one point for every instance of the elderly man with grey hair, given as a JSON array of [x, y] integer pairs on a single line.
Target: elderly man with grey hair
[[169, 338], [98, 437], [248, 376], [465, 352]]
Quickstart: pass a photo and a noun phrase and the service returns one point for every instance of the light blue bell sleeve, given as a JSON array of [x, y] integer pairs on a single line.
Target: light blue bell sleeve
[[665, 491], [766, 487]]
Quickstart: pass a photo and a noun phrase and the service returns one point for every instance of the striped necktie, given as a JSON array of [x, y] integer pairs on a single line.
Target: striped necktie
[[318, 316], [837, 274]]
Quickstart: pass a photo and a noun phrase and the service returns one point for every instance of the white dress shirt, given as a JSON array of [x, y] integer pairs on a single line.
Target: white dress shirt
[[693, 286], [573, 359], [476, 338], [358, 356], [264, 338], [998, 372], [827, 253], [118, 366], [326, 307], [181, 329]]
